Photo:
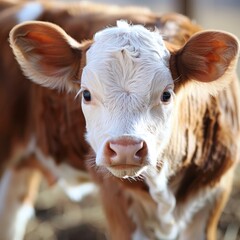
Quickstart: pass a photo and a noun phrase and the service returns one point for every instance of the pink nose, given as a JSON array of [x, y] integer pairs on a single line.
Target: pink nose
[[125, 150]]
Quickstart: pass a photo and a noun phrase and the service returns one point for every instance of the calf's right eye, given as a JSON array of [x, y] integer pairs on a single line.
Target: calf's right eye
[[86, 95]]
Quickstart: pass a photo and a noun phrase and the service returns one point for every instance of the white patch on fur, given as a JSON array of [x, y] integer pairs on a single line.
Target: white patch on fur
[[30, 149], [139, 235], [165, 220], [24, 214], [166, 228], [127, 70], [4, 187], [30, 11], [170, 29], [183, 214], [172, 218], [153, 214], [14, 215], [59, 170], [69, 178], [63, 170], [78, 192]]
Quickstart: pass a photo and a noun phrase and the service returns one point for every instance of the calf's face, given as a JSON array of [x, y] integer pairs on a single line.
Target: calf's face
[[127, 83], [127, 98]]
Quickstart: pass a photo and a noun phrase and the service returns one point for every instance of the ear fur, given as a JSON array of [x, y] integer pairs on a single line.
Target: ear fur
[[47, 55], [206, 57]]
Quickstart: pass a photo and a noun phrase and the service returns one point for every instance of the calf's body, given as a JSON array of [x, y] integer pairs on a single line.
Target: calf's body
[[184, 136], [161, 116]]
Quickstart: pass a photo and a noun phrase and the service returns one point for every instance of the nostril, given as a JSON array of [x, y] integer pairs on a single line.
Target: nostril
[[109, 151], [142, 152]]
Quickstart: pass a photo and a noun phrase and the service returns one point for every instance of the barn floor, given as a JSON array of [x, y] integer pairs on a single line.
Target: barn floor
[[57, 218]]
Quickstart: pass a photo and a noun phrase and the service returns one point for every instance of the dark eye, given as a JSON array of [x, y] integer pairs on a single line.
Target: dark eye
[[166, 96], [86, 95]]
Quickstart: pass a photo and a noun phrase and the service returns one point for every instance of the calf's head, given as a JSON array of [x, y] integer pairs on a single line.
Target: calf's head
[[128, 84]]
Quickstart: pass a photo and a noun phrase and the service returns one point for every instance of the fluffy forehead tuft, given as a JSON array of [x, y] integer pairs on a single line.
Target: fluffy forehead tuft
[[135, 39]]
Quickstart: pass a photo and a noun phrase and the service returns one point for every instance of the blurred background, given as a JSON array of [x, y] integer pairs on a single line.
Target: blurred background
[[57, 218], [213, 14]]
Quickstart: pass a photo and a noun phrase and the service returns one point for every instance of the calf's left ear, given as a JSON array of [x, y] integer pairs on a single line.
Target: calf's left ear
[[206, 57], [47, 55]]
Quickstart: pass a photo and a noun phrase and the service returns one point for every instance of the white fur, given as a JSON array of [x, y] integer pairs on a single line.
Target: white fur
[[24, 214], [165, 219], [14, 214], [154, 215], [78, 192], [4, 184], [30, 11], [138, 234], [127, 71], [183, 214], [166, 226]]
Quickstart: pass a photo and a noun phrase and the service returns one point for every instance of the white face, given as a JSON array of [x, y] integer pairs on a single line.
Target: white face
[[127, 99]]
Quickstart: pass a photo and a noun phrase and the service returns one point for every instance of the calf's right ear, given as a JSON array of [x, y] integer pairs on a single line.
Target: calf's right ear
[[47, 55], [207, 57]]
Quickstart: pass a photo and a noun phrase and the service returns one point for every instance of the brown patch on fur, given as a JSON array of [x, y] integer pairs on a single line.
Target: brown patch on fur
[[59, 126], [212, 157]]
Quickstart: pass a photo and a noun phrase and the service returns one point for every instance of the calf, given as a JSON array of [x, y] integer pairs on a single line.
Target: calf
[[162, 118], [42, 130]]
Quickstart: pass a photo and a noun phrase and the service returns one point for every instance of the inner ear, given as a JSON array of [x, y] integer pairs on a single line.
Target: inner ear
[[206, 57], [47, 55], [48, 45]]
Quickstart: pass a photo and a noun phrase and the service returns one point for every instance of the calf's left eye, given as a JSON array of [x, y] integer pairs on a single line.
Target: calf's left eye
[[86, 95], [166, 96]]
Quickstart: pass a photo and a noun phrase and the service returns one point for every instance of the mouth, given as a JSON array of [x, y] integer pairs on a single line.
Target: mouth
[[125, 171]]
